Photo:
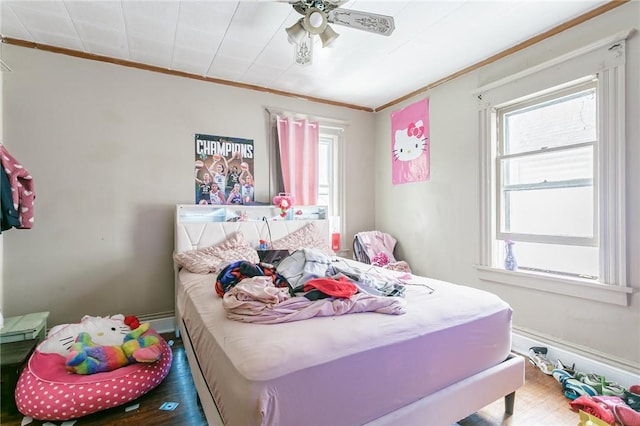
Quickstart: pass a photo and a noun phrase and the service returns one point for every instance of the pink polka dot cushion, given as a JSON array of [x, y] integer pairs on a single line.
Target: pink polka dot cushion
[[47, 391]]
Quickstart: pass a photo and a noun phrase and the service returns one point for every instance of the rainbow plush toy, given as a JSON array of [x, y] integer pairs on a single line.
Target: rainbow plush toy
[[87, 357]]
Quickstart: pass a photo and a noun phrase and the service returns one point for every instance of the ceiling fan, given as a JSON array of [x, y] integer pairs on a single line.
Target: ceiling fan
[[317, 14]]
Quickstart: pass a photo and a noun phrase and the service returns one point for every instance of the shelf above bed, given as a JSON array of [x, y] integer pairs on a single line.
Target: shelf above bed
[[188, 213]]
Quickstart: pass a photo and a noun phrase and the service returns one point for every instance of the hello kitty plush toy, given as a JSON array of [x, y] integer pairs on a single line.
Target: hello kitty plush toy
[[103, 331], [99, 344]]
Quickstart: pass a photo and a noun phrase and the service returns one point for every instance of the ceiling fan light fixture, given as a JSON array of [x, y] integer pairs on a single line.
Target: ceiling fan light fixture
[[328, 36], [315, 20], [296, 32]]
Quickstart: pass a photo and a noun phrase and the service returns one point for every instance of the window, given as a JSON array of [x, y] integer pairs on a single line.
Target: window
[[547, 203], [552, 175], [329, 189]]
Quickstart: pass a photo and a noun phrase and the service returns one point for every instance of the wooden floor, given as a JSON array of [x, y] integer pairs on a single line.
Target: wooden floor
[[539, 402]]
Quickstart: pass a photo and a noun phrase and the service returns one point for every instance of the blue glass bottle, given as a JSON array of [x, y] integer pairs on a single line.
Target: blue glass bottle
[[510, 263]]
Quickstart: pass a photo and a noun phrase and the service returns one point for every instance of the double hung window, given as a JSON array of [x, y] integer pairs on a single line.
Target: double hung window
[[552, 190], [545, 168]]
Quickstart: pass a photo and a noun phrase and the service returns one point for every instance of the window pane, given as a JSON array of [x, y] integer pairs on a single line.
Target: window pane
[[552, 257], [557, 166], [558, 211], [563, 121], [324, 162], [323, 199], [325, 169]]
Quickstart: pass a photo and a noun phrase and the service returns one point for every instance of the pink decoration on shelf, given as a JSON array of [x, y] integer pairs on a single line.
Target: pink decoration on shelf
[[284, 200]]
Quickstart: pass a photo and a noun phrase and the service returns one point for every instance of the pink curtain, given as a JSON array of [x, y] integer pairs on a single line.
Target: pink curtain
[[298, 141]]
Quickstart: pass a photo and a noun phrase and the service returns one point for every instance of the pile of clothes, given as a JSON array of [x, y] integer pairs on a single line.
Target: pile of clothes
[[305, 284], [611, 409]]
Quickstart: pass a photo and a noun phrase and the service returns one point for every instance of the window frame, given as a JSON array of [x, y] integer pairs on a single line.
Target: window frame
[[606, 59]]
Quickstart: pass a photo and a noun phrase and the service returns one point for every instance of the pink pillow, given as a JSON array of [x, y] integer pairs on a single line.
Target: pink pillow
[[213, 259], [306, 237]]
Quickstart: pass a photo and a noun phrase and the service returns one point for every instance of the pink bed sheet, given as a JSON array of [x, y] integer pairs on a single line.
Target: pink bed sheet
[[350, 369]]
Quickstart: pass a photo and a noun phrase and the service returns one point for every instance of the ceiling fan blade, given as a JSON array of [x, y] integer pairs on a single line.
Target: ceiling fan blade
[[367, 21]]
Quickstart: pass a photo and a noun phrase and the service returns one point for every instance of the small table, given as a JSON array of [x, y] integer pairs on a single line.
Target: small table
[[13, 357], [24, 327]]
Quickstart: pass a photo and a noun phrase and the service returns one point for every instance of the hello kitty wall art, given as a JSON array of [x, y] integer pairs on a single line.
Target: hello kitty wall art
[[410, 143]]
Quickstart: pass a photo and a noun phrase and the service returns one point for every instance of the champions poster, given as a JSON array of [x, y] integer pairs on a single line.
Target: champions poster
[[223, 170], [410, 143]]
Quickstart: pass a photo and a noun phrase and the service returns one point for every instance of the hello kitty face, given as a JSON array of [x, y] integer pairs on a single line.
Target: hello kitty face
[[410, 143], [107, 331]]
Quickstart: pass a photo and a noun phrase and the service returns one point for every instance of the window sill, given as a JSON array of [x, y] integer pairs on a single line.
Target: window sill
[[585, 289]]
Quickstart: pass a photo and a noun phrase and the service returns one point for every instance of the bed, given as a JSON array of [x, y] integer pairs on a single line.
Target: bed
[[444, 358]]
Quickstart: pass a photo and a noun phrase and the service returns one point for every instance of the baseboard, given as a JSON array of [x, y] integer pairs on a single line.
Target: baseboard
[[586, 360]]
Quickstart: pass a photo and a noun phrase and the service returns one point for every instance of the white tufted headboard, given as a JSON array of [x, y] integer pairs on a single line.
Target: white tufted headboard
[[197, 226]]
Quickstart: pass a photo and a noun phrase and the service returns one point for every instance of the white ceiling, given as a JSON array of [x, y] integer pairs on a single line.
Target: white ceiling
[[245, 42]]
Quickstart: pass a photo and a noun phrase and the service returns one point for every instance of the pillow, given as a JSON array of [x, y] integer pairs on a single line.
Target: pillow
[[214, 258], [306, 237]]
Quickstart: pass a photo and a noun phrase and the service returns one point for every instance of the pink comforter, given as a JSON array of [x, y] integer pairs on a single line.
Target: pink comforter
[[256, 300]]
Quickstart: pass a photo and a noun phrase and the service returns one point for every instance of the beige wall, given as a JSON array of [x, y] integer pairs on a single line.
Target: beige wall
[[443, 240], [111, 150]]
